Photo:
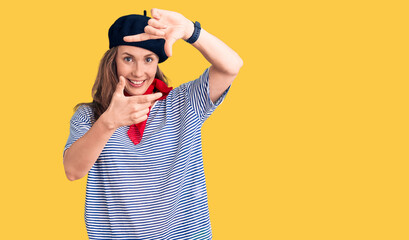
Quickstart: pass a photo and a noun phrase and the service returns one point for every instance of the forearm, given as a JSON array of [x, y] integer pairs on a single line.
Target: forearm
[[84, 152], [225, 63], [216, 52]]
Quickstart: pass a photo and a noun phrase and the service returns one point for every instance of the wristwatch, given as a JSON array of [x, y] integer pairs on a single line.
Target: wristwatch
[[195, 34]]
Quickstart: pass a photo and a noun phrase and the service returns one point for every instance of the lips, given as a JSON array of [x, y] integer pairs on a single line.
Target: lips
[[135, 83]]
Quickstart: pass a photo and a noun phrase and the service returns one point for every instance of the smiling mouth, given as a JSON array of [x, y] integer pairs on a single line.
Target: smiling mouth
[[136, 83]]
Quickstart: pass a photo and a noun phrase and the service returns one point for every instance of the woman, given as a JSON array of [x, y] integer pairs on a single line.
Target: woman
[[139, 141]]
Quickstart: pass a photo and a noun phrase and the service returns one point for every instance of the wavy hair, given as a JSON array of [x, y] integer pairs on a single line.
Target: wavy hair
[[106, 82]]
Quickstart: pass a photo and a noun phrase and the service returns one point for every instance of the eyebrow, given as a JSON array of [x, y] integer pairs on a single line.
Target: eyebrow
[[150, 54]]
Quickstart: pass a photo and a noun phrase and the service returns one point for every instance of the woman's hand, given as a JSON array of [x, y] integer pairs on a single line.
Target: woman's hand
[[165, 24], [126, 111]]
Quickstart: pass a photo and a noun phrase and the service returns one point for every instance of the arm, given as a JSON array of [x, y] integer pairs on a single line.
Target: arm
[[83, 153], [173, 26], [122, 111], [225, 62]]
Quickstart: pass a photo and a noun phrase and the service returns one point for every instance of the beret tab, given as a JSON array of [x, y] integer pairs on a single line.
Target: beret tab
[[131, 25]]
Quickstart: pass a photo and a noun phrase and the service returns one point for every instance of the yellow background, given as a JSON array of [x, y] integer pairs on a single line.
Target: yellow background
[[310, 143]]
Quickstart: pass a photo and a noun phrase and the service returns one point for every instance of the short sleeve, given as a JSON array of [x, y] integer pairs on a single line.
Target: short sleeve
[[198, 96], [80, 123]]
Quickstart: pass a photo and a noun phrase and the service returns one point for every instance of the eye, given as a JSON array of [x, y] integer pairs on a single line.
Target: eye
[[127, 59], [149, 59]]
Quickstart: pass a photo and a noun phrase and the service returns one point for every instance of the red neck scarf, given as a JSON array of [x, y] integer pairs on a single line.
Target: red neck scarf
[[135, 131]]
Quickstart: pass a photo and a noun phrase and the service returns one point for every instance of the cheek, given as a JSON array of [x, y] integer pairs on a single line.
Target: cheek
[[152, 71], [122, 69], [118, 67]]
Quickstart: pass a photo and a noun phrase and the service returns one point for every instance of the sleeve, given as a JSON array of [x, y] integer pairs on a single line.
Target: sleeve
[[80, 123], [198, 96]]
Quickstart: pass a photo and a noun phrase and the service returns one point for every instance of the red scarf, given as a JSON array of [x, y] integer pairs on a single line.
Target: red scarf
[[135, 131]]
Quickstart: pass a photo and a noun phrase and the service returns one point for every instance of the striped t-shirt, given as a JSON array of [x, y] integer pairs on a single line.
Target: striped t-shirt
[[155, 189]]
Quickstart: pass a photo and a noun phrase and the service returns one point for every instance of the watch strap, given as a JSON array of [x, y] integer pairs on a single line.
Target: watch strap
[[196, 33]]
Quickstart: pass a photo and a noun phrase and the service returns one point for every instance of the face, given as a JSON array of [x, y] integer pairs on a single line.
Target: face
[[138, 66]]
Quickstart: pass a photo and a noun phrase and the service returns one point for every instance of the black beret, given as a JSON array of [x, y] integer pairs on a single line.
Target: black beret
[[131, 25]]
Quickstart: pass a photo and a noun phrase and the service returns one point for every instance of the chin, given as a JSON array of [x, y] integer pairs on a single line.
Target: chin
[[134, 92]]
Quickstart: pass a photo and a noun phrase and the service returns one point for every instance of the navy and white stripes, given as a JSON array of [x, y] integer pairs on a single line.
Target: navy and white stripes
[[155, 189]]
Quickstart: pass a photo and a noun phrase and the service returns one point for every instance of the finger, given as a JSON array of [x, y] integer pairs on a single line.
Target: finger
[[140, 37], [152, 102], [120, 86], [140, 119], [152, 97], [139, 114], [135, 119], [148, 98], [153, 31], [168, 46], [156, 24], [145, 111], [156, 13], [138, 107]]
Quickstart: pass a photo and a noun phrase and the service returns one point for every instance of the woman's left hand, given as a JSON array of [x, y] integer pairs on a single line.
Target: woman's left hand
[[165, 24]]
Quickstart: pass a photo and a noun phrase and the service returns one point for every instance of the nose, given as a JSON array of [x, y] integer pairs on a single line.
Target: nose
[[137, 70]]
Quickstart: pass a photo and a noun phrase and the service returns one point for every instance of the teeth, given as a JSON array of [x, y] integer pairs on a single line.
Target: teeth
[[136, 82]]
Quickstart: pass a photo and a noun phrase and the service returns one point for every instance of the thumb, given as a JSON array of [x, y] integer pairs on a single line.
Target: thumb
[[168, 46], [156, 13], [120, 86]]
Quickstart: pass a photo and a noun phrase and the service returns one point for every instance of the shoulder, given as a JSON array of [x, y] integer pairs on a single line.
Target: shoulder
[[84, 113]]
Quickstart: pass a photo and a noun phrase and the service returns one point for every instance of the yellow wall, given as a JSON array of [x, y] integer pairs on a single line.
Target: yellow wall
[[310, 143]]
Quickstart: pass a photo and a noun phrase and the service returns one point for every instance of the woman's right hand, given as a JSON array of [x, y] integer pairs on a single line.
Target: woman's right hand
[[126, 111]]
